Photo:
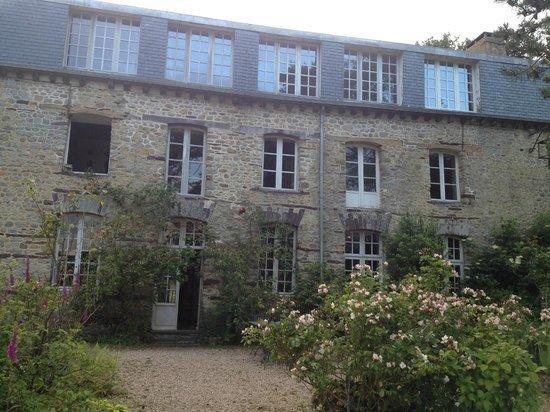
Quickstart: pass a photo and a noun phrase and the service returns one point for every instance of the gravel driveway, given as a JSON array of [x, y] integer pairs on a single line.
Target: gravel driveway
[[206, 379]]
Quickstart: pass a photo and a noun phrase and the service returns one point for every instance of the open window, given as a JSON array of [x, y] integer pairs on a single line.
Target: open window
[[89, 146]]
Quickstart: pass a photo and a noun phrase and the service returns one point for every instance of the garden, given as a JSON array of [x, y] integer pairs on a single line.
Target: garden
[[402, 338]]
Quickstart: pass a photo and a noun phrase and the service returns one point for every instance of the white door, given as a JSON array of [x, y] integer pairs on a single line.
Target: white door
[[165, 309]]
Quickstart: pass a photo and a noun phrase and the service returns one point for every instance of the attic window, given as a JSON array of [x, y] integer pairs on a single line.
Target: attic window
[[89, 146]]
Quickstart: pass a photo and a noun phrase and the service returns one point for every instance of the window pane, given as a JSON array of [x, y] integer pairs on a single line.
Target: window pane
[[176, 53], [369, 185], [448, 161], [350, 75], [270, 146], [369, 70], [435, 191], [199, 57], [104, 43], [176, 151], [270, 162], [77, 50], [222, 60], [434, 160], [266, 67], [195, 153], [194, 187], [450, 192], [176, 136], [269, 179], [351, 154], [308, 71], [389, 79], [288, 147], [287, 68], [174, 168], [128, 47], [288, 180], [434, 175], [197, 138], [288, 163], [369, 155]]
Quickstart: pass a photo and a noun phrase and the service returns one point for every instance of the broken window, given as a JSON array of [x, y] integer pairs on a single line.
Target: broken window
[[89, 146]]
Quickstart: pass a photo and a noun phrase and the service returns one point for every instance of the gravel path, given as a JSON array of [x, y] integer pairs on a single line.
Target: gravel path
[[206, 379]]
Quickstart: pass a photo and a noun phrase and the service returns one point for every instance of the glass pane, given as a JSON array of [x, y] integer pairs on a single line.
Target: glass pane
[[270, 162], [195, 153], [176, 136], [450, 192], [269, 179], [351, 154], [448, 161], [270, 146], [369, 155], [288, 181], [288, 163], [352, 184], [288, 147], [435, 191], [176, 151], [197, 137], [194, 187]]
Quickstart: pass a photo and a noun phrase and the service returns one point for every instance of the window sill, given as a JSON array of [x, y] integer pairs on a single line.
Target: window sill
[[450, 110], [444, 202], [362, 209], [369, 102], [188, 196], [67, 170], [281, 191]]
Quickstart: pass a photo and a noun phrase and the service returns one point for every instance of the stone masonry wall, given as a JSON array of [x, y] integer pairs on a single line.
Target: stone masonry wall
[[499, 176]]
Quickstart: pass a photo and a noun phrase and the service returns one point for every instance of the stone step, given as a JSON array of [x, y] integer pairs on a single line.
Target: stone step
[[176, 338]]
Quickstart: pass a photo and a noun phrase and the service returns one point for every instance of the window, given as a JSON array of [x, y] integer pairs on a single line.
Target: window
[[287, 68], [370, 77], [443, 176], [199, 56], [448, 86], [89, 147], [362, 247], [74, 249], [185, 166], [186, 233], [166, 293], [454, 253], [280, 161], [276, 266], [105, 43], [362, 177]]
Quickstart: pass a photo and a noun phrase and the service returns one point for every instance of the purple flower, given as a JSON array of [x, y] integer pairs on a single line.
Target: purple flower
[[27, 271], [12, 347]]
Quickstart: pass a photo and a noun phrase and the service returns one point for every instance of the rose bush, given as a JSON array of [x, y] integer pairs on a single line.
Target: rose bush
[[407, 346]]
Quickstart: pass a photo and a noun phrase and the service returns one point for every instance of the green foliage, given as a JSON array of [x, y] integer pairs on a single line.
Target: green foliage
[[124, 293], [531, 39], [447, 41], [49, 367], [306, 296], [243, 299], [376, 345], [516, 262], [414, 235]]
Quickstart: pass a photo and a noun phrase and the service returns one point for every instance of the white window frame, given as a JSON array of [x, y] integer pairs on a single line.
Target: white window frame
[[279, 163], [185, 160], [91, 42], [182, 234], [211, 46], [437, 66], [360, 198], [275, 275], [456, 263], [362, 257], [298, 74], [80, 228], [379, 74], [441, 168]]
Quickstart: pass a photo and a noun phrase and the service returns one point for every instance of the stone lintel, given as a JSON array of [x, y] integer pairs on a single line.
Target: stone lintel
[[190, 208], [374, 220], [284, 215]]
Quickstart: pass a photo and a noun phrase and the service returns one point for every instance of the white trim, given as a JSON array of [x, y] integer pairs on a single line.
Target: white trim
[[298, 72], [360, 198], [455, 262], [441, 169], [185, 159], [437, 64], [279, 163], [379, 75], [275, 270], [362, 256], [211, 54], [92, 39]]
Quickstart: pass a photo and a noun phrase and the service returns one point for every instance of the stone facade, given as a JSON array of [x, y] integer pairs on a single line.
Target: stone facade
[[498, 176]]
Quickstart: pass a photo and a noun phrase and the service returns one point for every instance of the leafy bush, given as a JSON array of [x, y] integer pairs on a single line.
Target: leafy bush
[[517, 262], [125, 289], [306, 295], [414, 235], [44, 366], [377, 345]]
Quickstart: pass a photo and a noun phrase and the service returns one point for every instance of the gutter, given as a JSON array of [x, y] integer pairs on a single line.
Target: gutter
[[322, 190]]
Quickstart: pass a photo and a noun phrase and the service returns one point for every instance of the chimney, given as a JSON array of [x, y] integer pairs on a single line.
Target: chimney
[[487, 43]]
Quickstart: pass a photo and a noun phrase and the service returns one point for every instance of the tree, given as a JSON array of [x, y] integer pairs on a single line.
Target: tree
[[447, 41], [531, 39]]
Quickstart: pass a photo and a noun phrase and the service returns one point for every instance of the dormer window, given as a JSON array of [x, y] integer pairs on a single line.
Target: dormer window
[[288, 68], [448, 86], [104, 43], [370, 77]]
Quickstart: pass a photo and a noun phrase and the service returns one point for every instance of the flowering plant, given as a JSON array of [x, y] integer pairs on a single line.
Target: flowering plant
[[409, 345]]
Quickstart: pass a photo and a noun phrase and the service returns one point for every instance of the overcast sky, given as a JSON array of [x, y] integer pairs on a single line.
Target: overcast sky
[[405, 21]]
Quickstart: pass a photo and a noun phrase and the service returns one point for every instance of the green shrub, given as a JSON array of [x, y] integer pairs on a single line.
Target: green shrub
[[125, 289], [44, 366], [517, 262], [409, 346], [414, 235]]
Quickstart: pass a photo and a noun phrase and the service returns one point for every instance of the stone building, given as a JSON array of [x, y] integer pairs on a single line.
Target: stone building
[[335, 136]]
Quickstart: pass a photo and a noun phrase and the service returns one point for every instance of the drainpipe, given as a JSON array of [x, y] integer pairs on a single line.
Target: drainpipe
[[322, 189]]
